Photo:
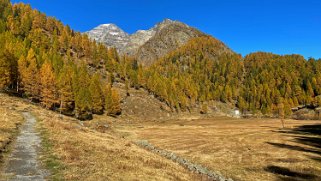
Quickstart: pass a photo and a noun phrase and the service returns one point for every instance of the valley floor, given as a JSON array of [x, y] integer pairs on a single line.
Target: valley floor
[[242, 149], [103, 149], [71, 151]]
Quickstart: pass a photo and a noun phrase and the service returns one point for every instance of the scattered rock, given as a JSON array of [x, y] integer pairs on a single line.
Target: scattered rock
[[187, 164], [102, 128]]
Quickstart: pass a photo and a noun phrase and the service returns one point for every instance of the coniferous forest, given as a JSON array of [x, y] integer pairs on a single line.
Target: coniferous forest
[[47, 62]]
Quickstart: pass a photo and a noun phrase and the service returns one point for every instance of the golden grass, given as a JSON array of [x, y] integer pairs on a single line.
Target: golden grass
[[242, 149], [90, 155], [75, 152], [10, 119]]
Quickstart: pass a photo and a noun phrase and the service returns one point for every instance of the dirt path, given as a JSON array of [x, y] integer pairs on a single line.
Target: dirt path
[[23, 162]]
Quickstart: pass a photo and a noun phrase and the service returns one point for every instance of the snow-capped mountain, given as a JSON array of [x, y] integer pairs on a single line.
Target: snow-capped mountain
[[110, 34], [146, 45], [113, 36]]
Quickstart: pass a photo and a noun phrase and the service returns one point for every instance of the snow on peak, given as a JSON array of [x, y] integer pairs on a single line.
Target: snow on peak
[[110, 34]]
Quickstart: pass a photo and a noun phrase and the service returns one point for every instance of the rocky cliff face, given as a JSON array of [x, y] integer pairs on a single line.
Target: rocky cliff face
[[169, 35], [146, 45], [136, 40]]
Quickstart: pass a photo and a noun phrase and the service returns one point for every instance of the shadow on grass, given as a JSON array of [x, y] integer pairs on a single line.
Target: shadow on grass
[[297, 148], [309, 129], [307, 135], [287, 174], [318, 159], [309, 139]]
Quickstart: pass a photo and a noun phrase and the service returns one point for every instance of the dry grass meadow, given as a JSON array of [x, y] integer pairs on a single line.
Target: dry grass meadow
[[73, 152], [242, 149], [10, 119]]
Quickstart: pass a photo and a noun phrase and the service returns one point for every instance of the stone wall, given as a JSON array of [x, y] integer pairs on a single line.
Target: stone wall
[[211, 175]]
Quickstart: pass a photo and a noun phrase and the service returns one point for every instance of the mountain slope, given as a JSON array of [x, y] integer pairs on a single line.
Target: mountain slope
[[47, 62], [169, 36], [202, 70], [146, 45]]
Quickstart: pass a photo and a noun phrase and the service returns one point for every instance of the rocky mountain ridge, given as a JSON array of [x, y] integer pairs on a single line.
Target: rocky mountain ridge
[[146, 45], [109, 34]]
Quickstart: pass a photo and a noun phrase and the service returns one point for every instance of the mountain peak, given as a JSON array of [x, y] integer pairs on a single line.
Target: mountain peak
[[167, 20], [109, 25], [110, 34], [146, 45]]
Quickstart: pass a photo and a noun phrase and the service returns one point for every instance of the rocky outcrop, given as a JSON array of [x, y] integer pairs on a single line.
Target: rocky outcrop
[[136, 40], [169, 36], [184, 162]]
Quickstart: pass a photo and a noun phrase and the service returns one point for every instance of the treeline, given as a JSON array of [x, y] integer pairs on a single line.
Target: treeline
[[47, 62]]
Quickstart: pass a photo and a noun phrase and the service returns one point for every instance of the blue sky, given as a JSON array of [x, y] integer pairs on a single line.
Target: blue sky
[[278, 26]]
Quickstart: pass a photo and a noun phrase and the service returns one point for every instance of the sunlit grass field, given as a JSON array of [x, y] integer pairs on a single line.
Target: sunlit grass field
[[242, 149]]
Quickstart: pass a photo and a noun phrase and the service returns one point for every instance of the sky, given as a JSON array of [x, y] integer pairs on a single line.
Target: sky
[[277, 26]]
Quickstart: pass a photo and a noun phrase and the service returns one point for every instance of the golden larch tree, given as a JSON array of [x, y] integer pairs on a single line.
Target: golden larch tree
[[49, 93]]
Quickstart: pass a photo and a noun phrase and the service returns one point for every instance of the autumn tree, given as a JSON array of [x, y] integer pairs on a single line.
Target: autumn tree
[[65, 87], [281, 112], [82, 95], [28, 69], [4, 71], [112, 102], [96, 94], [49, 92]]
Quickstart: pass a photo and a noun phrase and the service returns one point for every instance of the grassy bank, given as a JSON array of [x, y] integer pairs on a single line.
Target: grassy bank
[[89, 155], [49, 158], [10, 119]]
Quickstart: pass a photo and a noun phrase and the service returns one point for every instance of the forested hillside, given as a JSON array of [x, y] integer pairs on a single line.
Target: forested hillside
[[45, 61], [273, 82], [200, 71], [204, 69]]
